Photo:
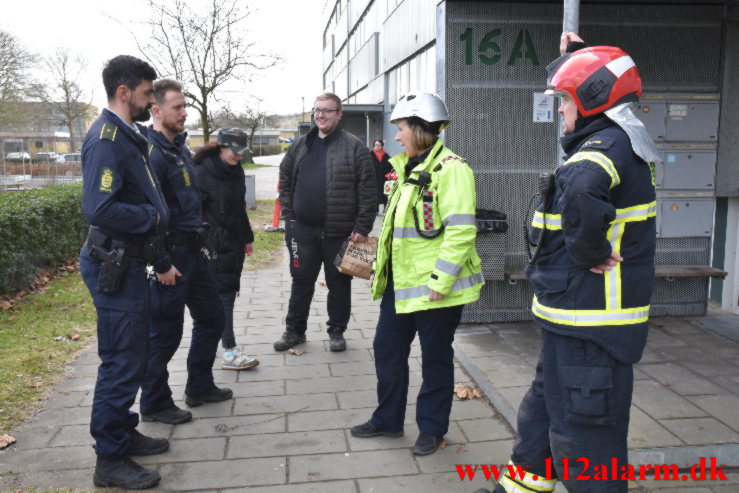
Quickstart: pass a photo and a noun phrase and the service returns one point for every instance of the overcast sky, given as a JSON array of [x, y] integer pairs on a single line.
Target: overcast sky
[[101, 30]]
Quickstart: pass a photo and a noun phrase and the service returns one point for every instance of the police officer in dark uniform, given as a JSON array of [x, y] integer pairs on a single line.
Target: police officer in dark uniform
[[124, 206], [183, 276], [592, 278]]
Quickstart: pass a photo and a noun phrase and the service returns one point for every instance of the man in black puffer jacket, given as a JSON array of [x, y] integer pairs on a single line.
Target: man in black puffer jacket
[[327, 193]]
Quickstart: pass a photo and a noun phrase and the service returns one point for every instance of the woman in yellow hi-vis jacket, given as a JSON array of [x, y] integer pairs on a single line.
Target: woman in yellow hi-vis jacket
[[426, 270]]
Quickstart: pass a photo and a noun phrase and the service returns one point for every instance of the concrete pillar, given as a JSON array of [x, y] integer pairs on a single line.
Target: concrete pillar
[[730, 291]]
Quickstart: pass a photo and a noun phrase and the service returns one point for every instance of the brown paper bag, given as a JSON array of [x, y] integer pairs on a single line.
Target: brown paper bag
[[355, 259]]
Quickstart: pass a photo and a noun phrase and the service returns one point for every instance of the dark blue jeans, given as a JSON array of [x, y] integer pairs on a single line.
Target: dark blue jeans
[[228, 298], [578, 406], [196, 289], [392, 345]]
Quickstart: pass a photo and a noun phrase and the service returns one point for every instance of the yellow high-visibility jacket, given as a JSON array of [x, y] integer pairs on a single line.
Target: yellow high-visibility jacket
[[448, 263]]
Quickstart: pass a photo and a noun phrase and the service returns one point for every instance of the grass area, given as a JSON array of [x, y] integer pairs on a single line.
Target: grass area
[[248, 166], [34, 489], [31, 360], [268, 246]]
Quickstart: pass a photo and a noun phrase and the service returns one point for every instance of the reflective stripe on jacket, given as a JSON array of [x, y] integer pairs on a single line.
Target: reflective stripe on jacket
[[604, 201], [448, 263]]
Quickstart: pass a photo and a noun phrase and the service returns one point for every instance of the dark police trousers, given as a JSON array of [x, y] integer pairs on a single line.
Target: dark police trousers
[[196, 289], [308, 250], [392, 346], [123, 326], [577, 406]]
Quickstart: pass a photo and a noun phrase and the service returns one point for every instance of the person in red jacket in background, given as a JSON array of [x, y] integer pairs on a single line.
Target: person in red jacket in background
[[381, 161]]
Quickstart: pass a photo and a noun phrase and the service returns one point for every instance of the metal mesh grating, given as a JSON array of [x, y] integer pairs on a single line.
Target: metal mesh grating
[[491, 248], [682, 251], [491, 111], [500, 301], [680, 296]]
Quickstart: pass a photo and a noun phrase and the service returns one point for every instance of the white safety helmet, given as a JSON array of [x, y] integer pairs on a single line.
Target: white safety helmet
[[427, 106]]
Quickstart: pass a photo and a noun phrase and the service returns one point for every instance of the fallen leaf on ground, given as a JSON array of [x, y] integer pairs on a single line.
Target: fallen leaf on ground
[[322, 282], [296, 352], [6, 440], [35, 384], [464, 391], [442, 445], [462, 448], [73, 336], [5, 305]]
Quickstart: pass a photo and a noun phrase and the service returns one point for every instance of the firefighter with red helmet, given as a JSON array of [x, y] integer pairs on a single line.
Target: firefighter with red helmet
[[592, 278]]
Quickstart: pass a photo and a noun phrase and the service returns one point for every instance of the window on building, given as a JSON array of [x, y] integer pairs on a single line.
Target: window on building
[[39, 144], [431, 69], [413, 73], [392, 87]]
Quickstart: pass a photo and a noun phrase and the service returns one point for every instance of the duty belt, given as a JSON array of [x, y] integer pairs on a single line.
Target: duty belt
[[143, 250], [184, 238]]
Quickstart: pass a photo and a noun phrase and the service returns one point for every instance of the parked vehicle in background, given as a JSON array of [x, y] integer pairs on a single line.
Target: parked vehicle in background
[[46, 156], [69, 158], [17, 156]]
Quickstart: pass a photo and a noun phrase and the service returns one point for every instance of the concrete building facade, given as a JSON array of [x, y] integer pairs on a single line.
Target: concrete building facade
[[487, 60]]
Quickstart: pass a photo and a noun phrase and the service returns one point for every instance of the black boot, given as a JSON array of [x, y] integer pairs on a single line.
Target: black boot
[[426, 444], [123, 473], [288, 340], [144, 445], [213, 395], [172, 415], [336, 340]]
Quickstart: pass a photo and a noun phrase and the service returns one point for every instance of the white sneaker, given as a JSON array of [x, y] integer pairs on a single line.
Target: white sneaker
[[234, 359]]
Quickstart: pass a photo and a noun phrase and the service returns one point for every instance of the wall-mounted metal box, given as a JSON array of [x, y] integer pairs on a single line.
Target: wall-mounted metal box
[[691, 121], [679, 217], [652, 113], [686, 168]]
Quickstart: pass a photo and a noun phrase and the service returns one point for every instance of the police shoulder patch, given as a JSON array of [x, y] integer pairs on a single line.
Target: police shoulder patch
[[597, 142], [108, 132], [106, 180]]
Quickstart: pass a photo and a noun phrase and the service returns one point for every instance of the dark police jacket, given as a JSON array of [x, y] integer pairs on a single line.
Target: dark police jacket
[[604, 200], [172, 163], [121, 195]]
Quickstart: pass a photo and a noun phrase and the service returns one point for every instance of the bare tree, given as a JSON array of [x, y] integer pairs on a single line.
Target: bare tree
[[250, 120], [202, 49], [14, 81], [65, 94]]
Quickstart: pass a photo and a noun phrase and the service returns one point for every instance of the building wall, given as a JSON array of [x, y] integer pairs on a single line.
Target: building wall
[[377, 50], [492, 61]]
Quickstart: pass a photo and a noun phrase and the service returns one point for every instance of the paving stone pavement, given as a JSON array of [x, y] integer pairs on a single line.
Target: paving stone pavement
[[287, 428], [686, 390]]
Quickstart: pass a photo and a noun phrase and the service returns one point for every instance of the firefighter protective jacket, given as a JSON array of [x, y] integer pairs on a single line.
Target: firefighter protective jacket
[[448, 263], [604, 200]]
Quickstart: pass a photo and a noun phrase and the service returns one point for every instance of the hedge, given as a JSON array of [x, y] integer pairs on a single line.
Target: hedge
[[266, 150], [38, 229]]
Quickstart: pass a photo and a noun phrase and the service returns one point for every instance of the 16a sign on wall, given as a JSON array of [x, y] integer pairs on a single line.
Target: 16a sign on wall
[[489, 51]]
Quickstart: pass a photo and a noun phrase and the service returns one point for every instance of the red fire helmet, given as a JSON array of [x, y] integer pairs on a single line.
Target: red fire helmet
[[597, 78]]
